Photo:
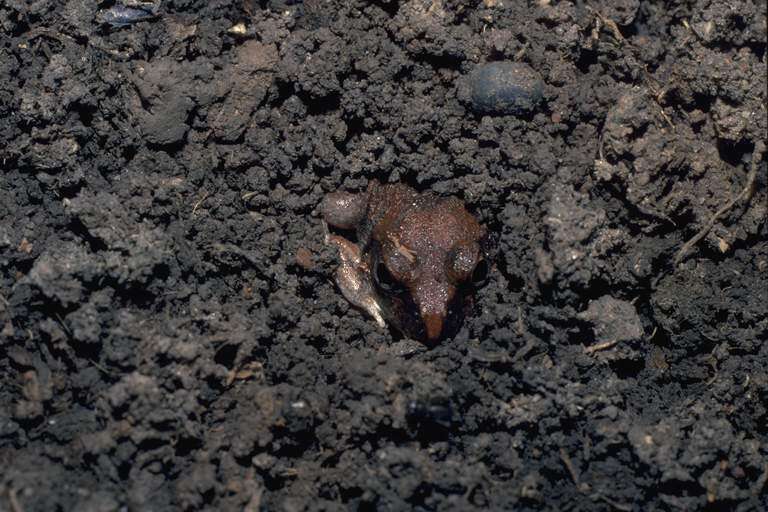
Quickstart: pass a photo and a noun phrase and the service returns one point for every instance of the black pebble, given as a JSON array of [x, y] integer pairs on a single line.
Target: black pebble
[[505, 88]]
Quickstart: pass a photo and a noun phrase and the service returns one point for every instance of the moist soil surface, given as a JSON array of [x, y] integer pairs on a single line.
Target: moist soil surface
[[171, 337]]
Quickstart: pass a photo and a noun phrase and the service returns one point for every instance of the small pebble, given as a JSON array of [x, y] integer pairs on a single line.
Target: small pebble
[[505, 88], [304, 259], [123, 16]]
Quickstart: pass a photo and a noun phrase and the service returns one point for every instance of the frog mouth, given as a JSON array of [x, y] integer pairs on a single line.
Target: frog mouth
[[403, 313]]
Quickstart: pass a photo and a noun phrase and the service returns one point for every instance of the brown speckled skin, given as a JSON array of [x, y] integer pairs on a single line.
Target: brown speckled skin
[[428, 245]]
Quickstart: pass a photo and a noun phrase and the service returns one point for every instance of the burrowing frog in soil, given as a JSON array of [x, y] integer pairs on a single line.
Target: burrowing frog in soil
[[417, 260]]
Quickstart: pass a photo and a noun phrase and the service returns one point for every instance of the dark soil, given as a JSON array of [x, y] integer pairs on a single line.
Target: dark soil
[[162, 349]]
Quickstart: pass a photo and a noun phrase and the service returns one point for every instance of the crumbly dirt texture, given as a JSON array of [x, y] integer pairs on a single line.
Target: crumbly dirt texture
[[170, 334]]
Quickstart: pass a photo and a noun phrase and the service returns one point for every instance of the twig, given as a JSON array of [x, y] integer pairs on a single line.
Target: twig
[[614, 504], [609, 23], [744, 195], [489, 357], [63, 324], [101, 368], [14, 501], [600, 346], [520, 324], [530, 344], [200, 202], [569, 466]]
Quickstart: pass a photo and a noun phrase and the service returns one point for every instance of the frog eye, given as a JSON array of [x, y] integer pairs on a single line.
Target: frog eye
[[481, 272], [385, 280], [462, 261]]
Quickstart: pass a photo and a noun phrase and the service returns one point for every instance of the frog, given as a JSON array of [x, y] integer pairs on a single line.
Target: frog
[[417, 258]]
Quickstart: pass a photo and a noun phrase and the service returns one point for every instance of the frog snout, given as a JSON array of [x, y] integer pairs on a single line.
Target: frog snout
[[434, 325], [433, 303]]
